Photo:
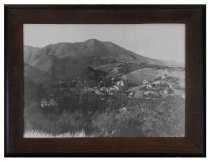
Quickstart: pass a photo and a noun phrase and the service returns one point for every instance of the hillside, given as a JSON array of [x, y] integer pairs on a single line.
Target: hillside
[[99, 89], [64, 60], [36, 75]]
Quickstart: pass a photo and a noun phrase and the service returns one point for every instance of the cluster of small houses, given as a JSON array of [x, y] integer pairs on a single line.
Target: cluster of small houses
[[48, 103], [118, 86], [145, 90]]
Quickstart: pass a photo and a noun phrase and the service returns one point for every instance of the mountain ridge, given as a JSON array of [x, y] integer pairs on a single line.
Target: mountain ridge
[[67, 59], [94, 42]]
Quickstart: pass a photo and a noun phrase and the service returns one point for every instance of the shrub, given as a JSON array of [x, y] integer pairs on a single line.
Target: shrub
[[118, 123], [146, 118], [69, 122]]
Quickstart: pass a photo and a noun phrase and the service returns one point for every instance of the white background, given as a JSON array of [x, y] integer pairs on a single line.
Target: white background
[[2, 159]]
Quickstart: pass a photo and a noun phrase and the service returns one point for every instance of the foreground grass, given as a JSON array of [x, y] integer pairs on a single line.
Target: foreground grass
[[42, 134], [121, 118]]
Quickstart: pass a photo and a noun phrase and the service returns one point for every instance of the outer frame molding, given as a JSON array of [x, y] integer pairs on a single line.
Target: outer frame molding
[[194, 17]]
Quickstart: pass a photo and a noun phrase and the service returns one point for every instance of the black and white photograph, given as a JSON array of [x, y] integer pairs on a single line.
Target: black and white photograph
[[104, 80]]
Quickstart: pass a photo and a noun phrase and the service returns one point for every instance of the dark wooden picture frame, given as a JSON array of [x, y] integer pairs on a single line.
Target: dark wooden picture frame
[[194, 142]]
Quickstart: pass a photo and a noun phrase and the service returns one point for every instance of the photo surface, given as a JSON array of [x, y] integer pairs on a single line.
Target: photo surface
[[104, 80]]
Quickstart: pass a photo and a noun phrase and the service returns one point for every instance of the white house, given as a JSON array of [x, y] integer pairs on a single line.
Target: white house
[[50, 102], [120, 83], [145, 82]]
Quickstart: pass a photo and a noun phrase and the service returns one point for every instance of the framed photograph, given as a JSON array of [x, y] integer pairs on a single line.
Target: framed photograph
[[105, 80]]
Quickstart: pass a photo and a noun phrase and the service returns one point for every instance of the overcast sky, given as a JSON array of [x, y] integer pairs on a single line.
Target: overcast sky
[[160, 41]]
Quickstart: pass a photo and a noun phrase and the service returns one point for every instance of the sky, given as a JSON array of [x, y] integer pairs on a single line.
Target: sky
[[159, 41]]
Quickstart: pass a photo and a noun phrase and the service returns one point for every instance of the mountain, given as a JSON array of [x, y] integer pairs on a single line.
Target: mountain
[[36, 75], [70, 60], [30, 54]]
